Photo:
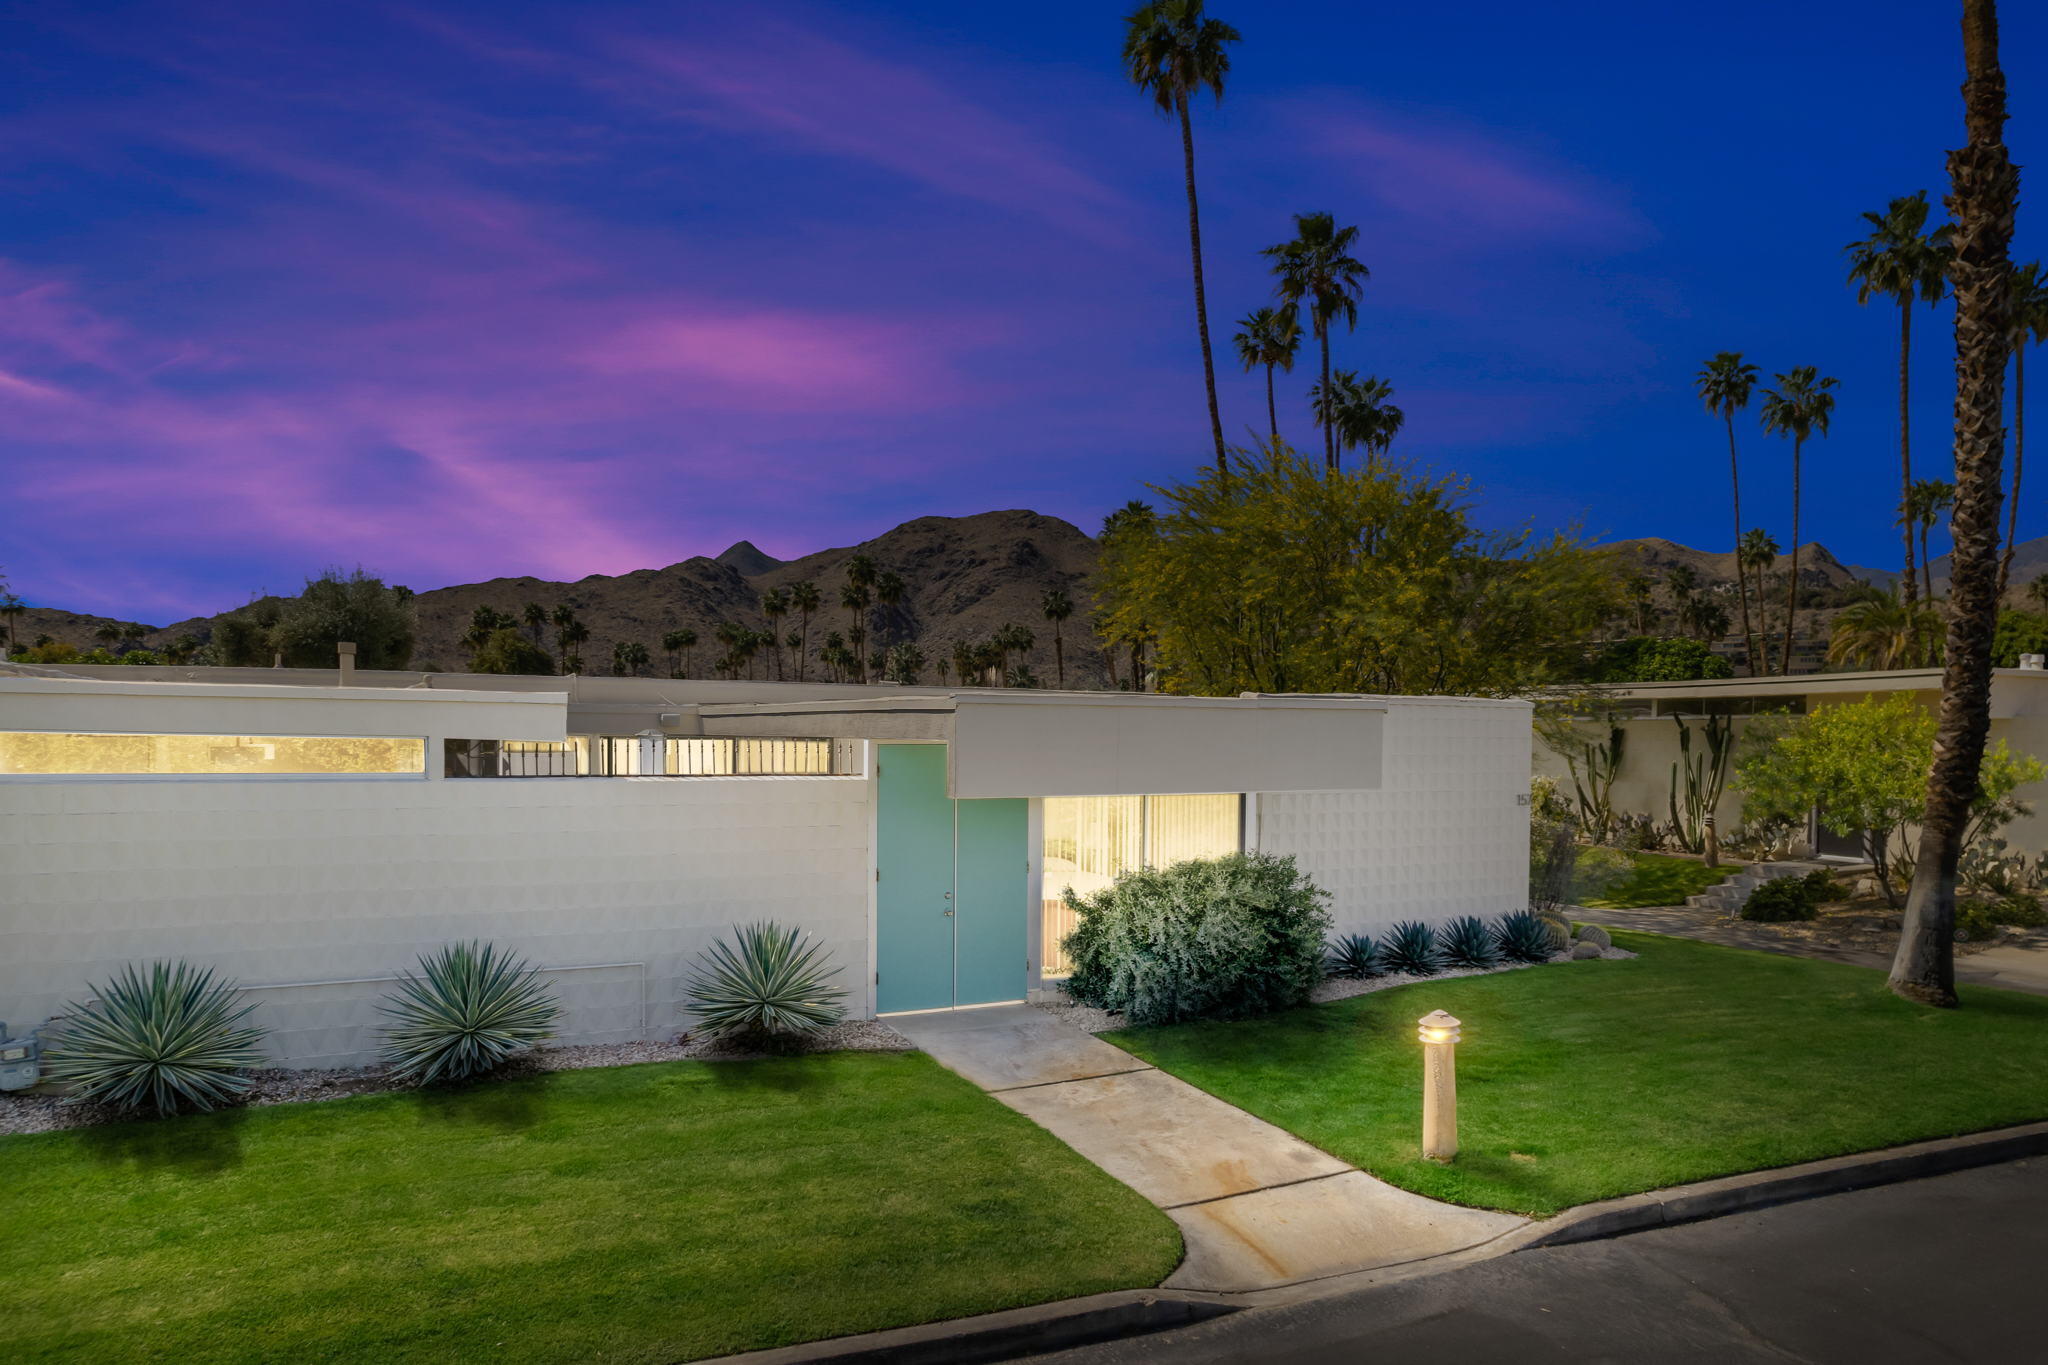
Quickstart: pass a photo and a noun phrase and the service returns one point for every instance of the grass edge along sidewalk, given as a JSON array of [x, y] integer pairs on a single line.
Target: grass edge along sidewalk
[[651, 1213], [1602, 1079]]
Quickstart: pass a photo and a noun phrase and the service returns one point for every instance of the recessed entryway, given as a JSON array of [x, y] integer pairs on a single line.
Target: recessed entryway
[[951, 890]]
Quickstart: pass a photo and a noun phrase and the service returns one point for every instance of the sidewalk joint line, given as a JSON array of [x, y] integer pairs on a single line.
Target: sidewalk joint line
[[1281, 1185], [1069, 1080]]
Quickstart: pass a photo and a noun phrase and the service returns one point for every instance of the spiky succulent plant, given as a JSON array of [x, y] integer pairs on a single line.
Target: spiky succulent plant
[[1467, 942], [766, 988], [1522, 937], [1410, 947], [1352, 958], [156, 1041], [470, 1010]]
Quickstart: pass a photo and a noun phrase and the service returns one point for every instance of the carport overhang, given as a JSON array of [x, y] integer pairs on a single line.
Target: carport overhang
[[1010, 743]]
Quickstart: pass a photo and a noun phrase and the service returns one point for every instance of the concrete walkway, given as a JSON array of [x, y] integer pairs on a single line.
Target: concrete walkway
[[1257, 1206], [2016, 967]]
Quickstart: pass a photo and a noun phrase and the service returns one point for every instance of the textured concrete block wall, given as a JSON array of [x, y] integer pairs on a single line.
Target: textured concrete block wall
[[1446, 834], [283, 883]]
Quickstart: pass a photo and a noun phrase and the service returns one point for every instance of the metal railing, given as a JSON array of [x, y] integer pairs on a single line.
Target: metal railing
[[651, 756]]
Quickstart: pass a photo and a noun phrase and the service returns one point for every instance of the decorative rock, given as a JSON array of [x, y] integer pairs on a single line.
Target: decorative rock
[[1595, 935], [1584, 949]]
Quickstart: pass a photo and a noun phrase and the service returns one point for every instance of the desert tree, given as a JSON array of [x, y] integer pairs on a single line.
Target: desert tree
[[1269, 338], [2028, 326], [1800, 407], [1983, 201], [1724, 384], [1316, 267], [1173, 52], [1901, 260]]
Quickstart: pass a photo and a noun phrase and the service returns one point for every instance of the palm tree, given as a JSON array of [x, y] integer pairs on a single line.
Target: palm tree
[[855, 598], [2029, 322], [571, 635], [1317, 266], [1883, 631], [775, 606], [628, 658], [536, 619], [563, 616], [1683, 582], [1358, 411], [1926, 500], [1757, 552], [1899, 260], [1800, 408], [1058, 607], [1724, 385], [803, 599], [888, 594], [1983, 196], [11, 607], [963, 662], [1173, 52], [678, 644], [1269, 337], [1638, 588]]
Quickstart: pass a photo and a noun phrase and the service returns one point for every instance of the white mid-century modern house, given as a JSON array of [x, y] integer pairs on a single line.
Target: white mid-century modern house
[[311, 834]]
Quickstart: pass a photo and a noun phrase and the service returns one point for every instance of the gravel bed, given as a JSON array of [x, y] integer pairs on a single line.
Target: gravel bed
[[1092, 1020], [33, 1113]]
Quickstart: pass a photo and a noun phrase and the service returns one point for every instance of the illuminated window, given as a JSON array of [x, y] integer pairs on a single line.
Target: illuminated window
[[34, 753], [650, 756], [1091, 840]]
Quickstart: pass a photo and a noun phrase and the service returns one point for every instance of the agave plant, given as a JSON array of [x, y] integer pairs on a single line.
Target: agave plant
[[766, 988], [1522, 937], [471, 1008], [158, 1041], [1467, 942], [1353, 958], [1410, 948]]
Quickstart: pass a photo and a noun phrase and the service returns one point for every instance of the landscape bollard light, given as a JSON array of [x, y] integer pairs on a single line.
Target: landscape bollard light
[[1439, 1034]]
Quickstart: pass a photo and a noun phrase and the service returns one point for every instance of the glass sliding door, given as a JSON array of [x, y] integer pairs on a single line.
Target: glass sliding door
[[1092, 840]]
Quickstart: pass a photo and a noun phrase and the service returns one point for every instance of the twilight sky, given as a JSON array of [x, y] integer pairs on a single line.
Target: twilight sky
[[459, 290]]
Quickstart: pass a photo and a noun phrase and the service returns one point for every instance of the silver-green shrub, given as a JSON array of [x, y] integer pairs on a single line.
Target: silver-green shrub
[[467, 1013], [158, 1041], [1216, 938], [766, 989]]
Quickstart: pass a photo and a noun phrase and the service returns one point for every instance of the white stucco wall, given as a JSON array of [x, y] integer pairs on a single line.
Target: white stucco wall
[[281, 881], [1446, 834]]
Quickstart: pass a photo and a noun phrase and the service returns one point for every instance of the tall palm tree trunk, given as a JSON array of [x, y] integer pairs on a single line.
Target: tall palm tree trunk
[[1792, 578], [2019, 455], [1906, 442], [1187, 147], [1741, 573], [1272, 412], [1984, 190], [1329, 430]]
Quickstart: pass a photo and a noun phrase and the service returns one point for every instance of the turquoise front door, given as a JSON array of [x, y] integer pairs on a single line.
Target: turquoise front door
[[951, 888]]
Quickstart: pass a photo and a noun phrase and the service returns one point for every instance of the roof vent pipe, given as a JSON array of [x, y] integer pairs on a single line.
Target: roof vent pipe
[[345, 652], [2034, 663]]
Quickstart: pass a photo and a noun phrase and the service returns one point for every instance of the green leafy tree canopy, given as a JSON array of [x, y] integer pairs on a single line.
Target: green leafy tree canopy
[[1288, 578]]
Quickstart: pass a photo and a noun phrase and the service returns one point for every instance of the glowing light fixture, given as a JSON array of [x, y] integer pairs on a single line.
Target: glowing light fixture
[[1439, 1034]]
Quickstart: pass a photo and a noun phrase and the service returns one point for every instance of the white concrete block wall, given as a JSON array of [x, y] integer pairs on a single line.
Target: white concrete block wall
[[283, 881], [1446, 834]]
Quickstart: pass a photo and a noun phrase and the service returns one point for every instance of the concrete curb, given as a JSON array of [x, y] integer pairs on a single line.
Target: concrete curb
[[1003, 1336], [1760, 1189], [1076, 1322]]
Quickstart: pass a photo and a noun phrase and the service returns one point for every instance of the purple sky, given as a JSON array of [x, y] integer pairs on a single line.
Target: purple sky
[[456, 291]]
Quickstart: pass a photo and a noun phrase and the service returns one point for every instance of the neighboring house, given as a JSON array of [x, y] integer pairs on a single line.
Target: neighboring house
[[1650, 713], [311, 837]]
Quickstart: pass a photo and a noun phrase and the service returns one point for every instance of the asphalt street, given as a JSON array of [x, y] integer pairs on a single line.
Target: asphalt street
[[1953, 1268]]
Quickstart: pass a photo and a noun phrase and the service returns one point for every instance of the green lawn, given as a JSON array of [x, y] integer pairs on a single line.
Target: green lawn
[[1598, 1079], [1660, 879], [643, 1213]]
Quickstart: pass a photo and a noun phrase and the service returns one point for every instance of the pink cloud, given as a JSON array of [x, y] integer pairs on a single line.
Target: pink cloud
[[1467, 183]]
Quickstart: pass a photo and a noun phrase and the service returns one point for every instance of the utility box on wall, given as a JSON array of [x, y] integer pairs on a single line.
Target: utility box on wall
[[21, 1061]]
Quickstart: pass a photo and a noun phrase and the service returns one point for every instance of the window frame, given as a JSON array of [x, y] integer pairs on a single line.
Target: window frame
[[426, 769]]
